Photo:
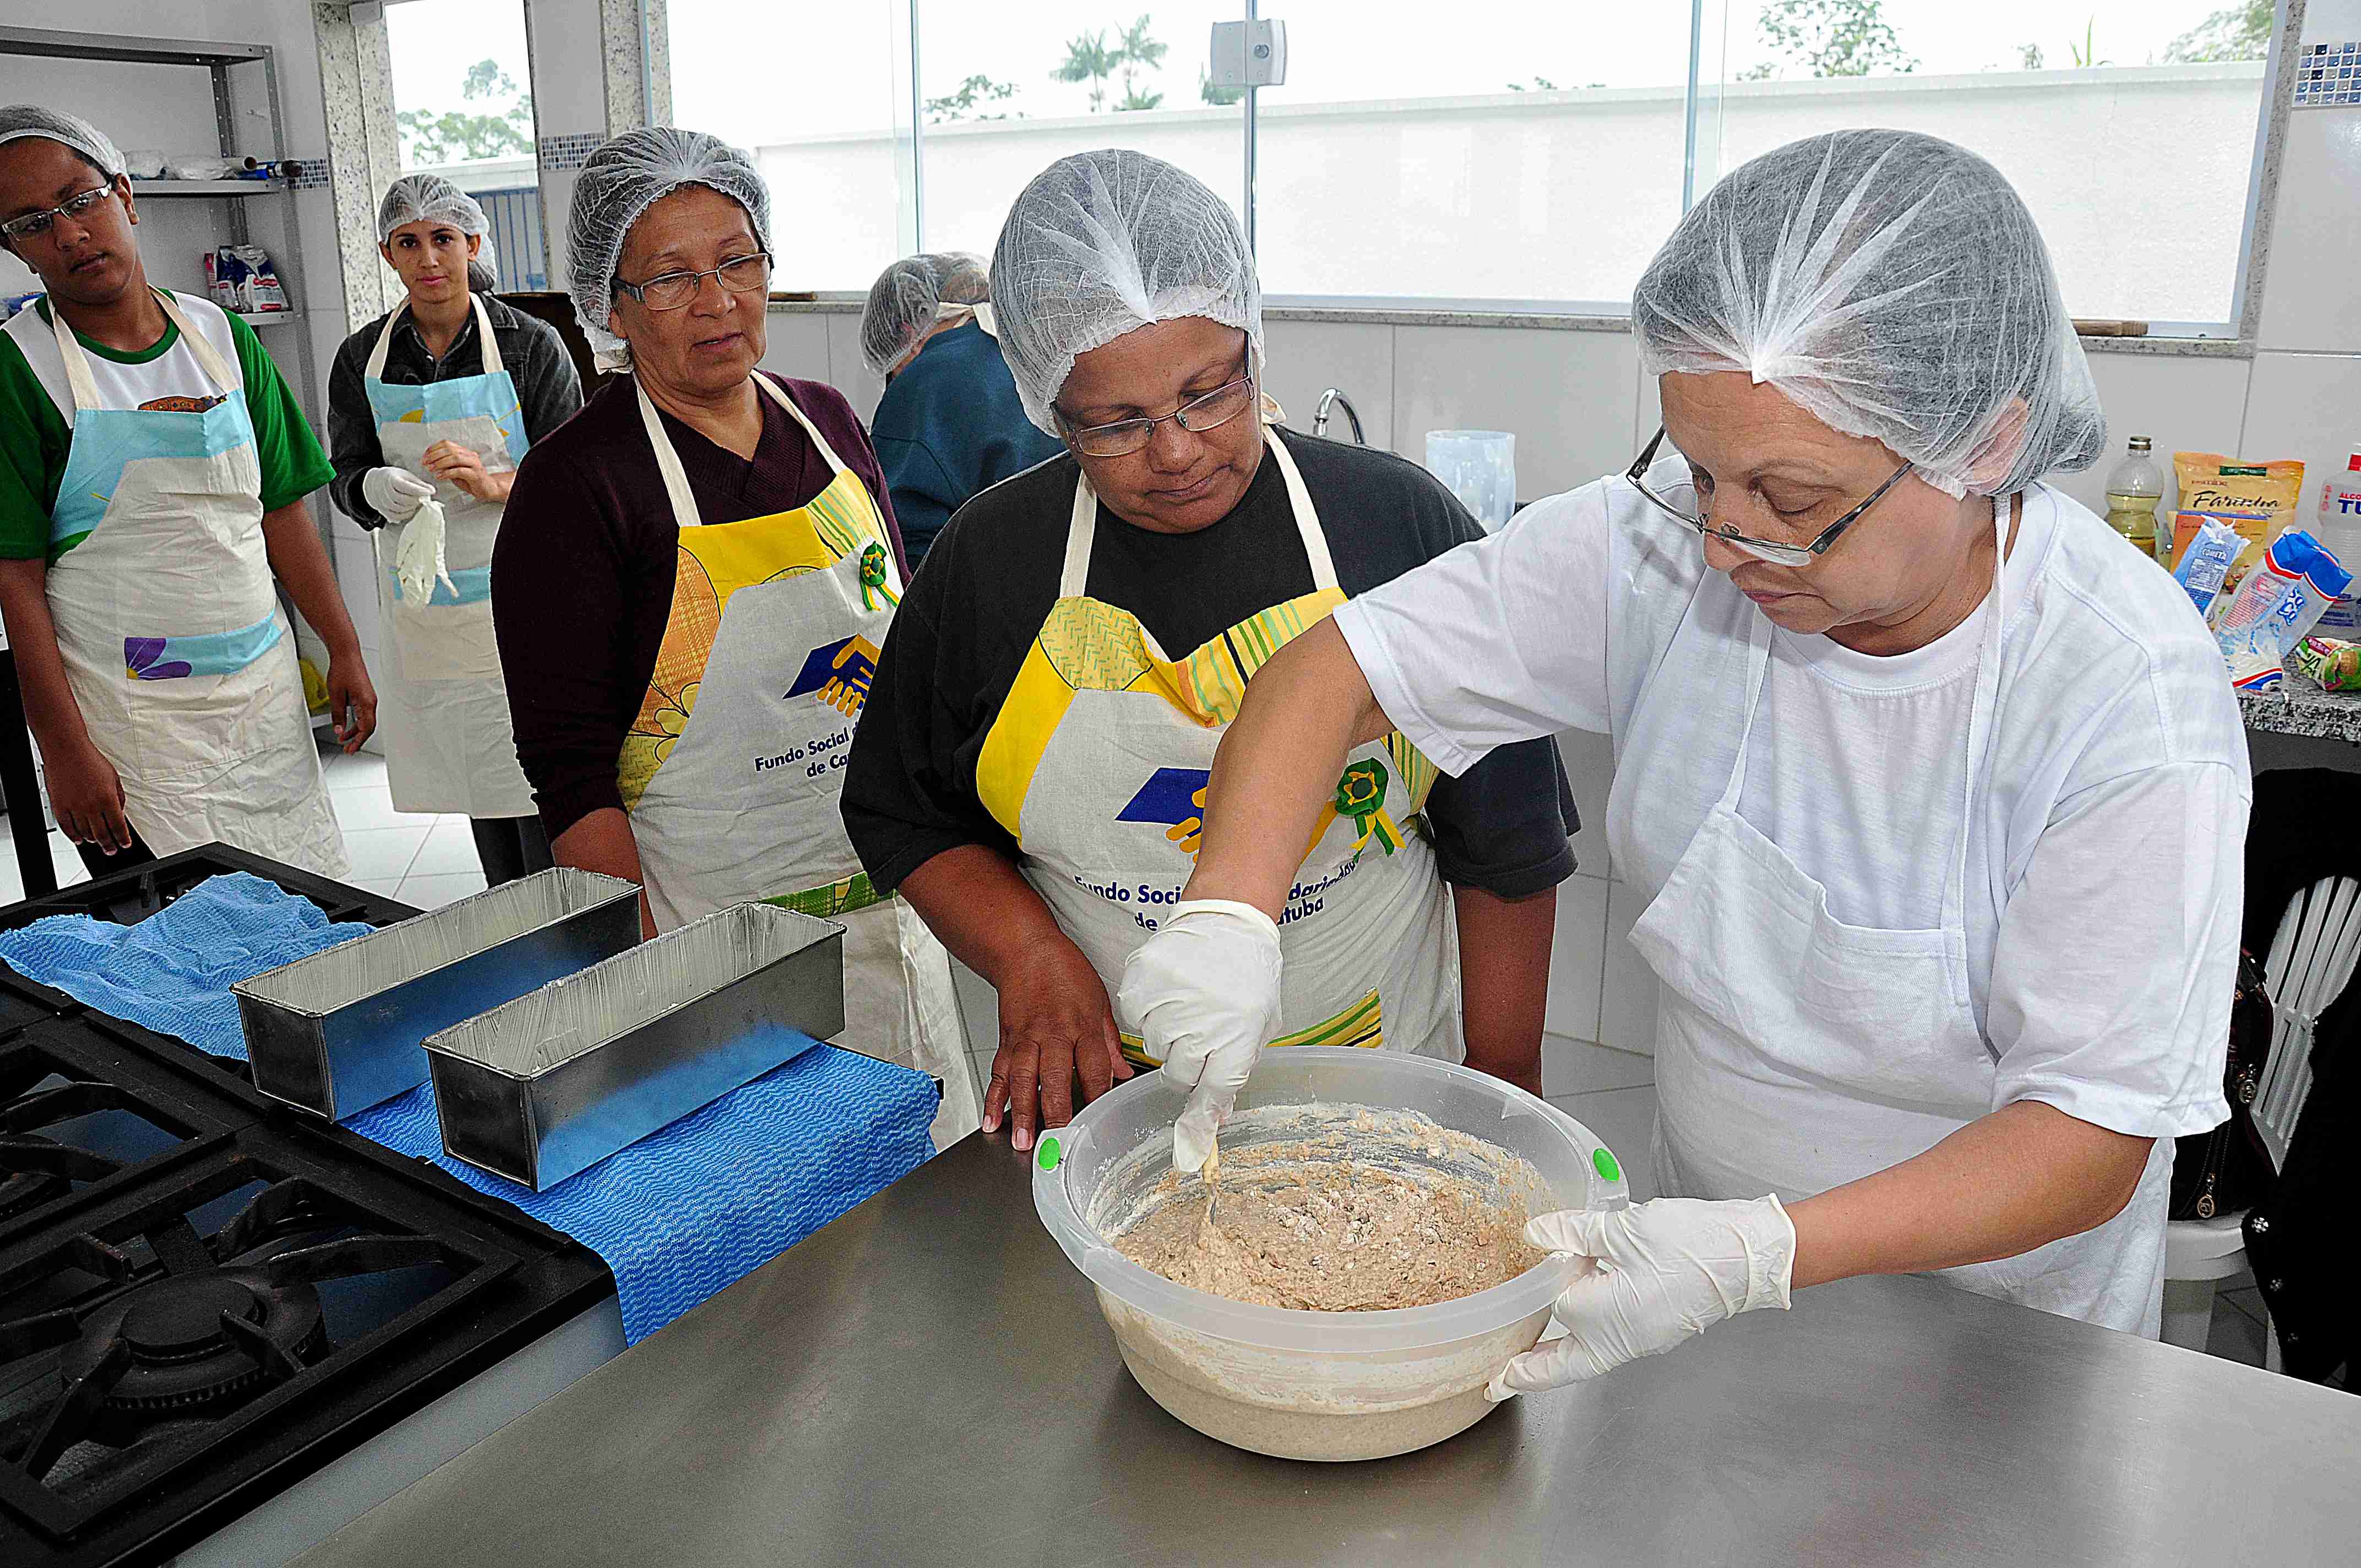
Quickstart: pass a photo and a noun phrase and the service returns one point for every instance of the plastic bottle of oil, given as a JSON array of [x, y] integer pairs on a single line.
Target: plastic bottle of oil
[[2132, 491]]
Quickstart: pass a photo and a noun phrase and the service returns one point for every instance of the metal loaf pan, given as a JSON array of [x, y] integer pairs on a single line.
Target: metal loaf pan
[[558, 1081], [340, 1031]]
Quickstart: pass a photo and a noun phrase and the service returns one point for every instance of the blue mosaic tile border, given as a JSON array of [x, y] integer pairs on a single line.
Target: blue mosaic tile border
[[569, 151], [2328, 74]]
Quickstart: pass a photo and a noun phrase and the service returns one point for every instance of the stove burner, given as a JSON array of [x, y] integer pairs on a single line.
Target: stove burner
[[203, 1331], [193, 1345], [34, 1169]]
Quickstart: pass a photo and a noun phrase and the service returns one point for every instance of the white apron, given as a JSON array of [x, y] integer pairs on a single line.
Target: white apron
[[732, 772], [443, 711], [1795, 1053], [1097, 764], [168, 620]]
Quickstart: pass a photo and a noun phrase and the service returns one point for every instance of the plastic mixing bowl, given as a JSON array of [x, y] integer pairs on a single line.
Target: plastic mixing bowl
[[1306, 1385]]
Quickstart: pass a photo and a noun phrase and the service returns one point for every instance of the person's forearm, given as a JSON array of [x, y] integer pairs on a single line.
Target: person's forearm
[[1277, 766], [292, 540], [1504, 958], [2027, 1175], [498, 487], [980, 907], [602, 842], [50, 711]]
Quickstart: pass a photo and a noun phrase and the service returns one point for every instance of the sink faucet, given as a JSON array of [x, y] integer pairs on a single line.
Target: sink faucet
[[1335, 396]]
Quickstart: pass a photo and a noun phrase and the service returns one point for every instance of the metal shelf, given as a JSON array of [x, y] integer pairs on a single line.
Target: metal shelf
[[114, 46], [207, 187], [265, 318]]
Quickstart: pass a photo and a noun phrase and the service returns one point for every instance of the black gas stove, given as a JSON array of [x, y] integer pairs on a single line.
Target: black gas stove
[[205, 1297]]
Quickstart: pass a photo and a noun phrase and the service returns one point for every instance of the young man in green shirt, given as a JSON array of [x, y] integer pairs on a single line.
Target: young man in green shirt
[[153, 466]]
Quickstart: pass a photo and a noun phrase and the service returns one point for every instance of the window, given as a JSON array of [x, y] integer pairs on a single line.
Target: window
[[1515, 153], [821, 95], [463, 108], [1490, 150], [1008, 91], [2128, 126]]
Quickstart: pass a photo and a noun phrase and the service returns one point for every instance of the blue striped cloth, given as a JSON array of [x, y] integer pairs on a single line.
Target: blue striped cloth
[[172, 971], [678, 1216]]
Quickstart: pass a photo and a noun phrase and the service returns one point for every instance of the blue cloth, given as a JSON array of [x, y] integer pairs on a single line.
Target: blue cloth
[[709, 1198], [172, 971], [949, 426], [678, 1215]]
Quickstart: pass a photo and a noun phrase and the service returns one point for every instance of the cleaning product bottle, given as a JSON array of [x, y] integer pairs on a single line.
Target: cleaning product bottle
[[2132, 491], [2338, 528]]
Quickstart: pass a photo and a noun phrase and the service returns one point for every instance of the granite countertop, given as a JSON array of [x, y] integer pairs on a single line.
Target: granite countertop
[[2296, 707]]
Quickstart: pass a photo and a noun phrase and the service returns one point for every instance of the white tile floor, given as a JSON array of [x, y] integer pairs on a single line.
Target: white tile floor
[[427, 861]]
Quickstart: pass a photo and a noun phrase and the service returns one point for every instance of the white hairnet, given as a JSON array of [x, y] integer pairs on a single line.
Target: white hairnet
[[623, 179], [911, 296], [1101, 244], [431, 198], [19, 120], [1894, 286]]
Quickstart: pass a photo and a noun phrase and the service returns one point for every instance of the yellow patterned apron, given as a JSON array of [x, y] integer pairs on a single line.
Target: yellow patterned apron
[[1097, 763], [732, 769]]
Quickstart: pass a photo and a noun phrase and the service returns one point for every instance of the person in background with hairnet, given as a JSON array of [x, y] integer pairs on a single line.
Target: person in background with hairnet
[[1032, 772], [694, 578], [950, 422], [153, 467], [1934, 792], [436, 400]]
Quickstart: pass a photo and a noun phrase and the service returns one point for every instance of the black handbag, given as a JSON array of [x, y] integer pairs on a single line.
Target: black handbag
[[2229, 1169]]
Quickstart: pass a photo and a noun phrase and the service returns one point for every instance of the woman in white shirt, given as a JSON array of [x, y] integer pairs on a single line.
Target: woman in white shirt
[[1936, 790]]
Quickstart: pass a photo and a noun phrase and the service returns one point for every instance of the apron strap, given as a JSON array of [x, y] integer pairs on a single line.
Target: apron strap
[[1307, 517], [1081, 529], [676, 479], [375, 369], [494, 364], [1955, 897], [983, 318], [85, 386], [785, 402]]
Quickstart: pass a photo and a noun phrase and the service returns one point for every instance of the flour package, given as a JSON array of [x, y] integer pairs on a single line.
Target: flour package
[[2256, 499]]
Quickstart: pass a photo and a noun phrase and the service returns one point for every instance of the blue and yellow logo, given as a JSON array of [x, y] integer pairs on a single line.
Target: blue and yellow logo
[[1175, 798], [841, 673]]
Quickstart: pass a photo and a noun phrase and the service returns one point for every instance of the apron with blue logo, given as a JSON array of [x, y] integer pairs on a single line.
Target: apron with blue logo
[[732, 770], [168, 623], [1097, 764], [443, 712]]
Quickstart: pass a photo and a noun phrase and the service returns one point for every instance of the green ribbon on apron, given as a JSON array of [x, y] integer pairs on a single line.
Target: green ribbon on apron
[[873, 579], [1361, 796]]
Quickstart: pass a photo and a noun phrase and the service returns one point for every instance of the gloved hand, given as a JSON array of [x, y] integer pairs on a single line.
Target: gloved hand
[[1204, 992], [1658, 1273], [418, 560], [394, 492]]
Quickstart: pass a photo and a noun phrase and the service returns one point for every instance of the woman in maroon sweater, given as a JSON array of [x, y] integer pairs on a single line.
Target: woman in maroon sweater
[[690, 588]]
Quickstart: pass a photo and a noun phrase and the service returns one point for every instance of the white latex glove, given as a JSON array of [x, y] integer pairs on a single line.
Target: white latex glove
[[418, 561], [1658, 1273], [394, 492], [1204, 992]]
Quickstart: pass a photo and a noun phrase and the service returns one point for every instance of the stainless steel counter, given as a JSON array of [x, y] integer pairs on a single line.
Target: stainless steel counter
[[927, 1381]]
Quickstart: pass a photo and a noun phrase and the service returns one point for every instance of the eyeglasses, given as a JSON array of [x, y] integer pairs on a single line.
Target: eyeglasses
[[31, 226], [1198, 415], [673, 290], [1780, 552]]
